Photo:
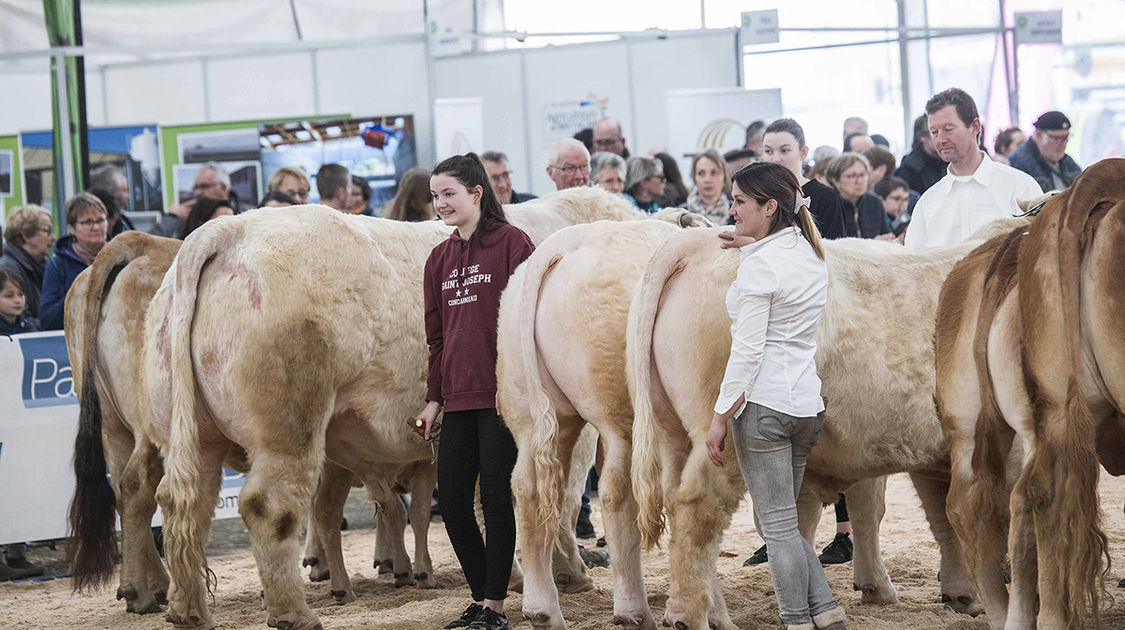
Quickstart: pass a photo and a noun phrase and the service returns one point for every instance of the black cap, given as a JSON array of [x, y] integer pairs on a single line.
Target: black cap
[[1052, 121]]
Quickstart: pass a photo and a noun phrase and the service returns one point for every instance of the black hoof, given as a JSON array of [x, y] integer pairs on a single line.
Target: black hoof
[[126, 592], [285, 625], [320, 577], [945, 599], [421, 576], [681, 625], [339, 594], [161, 597], [1121, 584], [310, 561]]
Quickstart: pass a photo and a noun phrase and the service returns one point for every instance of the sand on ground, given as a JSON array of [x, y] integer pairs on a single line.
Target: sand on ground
[[909, 551]]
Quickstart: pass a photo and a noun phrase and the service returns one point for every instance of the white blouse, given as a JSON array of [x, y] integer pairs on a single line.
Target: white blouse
[[775, 304]]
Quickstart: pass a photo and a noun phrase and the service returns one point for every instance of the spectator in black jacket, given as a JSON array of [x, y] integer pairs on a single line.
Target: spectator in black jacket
[[29, 237], [922, 167], [1044, 155]]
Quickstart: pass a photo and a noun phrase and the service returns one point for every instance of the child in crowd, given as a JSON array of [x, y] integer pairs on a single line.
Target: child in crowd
[[12, 319]]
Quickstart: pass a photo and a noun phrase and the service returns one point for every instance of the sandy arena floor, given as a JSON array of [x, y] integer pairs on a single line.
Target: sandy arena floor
[[909, 551]]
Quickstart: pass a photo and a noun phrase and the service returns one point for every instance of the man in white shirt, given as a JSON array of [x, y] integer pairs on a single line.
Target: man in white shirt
[[975, 191]]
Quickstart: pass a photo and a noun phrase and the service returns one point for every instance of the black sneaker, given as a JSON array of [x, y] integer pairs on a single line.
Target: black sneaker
[[839, 551], [758, 557], [466, 618], [489, 619], [585, 529]]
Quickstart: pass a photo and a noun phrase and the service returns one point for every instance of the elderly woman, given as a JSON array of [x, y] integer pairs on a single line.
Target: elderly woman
[[86, 222], [607, 171], [863, 211], [711, 195], [644, 182], [29, 236]]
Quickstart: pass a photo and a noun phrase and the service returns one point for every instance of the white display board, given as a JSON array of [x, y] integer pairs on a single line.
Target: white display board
[[38, 423], [716, 119], [458, 126]]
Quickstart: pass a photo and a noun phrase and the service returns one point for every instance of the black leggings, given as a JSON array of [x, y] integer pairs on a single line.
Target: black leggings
[[476, 442]]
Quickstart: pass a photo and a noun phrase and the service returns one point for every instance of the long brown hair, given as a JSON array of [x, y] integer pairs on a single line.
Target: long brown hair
[[413, 194], [469, 171], [764, 181]]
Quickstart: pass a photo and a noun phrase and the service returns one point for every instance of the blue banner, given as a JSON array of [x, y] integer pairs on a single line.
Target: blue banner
[[47, 378]]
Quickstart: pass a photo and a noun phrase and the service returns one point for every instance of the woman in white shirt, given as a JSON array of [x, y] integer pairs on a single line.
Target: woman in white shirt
[[770, 386]]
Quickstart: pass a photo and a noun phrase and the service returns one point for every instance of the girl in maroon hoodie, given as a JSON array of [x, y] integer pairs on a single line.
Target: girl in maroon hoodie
[[463, 280]]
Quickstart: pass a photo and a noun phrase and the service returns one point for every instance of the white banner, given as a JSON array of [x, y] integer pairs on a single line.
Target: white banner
[[38, 422]]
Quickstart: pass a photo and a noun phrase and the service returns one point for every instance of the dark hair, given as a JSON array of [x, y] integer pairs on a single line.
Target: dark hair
[[754, 129], [739, 154], [469, 171], [7, 276], [789, 126], [586, 137], [764, 181], [364, 188], [879, 156], [884, 187], [109, 200], [964, 104], [880, 140], [1004, 138], [201, 212], [498, 156], [921, 130], [329, 179], [279, 197], [105, 175], [413, 194], [672, 176]]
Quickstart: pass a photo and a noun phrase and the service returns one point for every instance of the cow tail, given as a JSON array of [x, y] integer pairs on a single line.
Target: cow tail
[[92, 541], [178, 492], [1064, 468], [646, 469], [549, 478]]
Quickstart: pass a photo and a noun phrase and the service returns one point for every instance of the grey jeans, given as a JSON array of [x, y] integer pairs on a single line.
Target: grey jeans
[[772, 448]]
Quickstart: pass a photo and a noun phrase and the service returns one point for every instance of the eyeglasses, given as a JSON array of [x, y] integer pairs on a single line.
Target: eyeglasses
[[88, 223], [570, 170], [301, 192], [606, 142], [499, 177], [1061, 137], [854, 176], [659, 177], [205, 186]]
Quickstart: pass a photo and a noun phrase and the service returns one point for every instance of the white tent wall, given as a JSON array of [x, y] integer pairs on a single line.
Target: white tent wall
[[633, 75]]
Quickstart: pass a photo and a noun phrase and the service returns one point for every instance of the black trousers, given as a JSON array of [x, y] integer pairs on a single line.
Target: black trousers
[[475, 443]]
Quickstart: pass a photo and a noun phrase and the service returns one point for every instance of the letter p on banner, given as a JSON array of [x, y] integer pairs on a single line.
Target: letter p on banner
[[47, 378]]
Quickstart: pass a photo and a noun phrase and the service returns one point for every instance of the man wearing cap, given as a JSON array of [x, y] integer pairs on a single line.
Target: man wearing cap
[[1044, 155]]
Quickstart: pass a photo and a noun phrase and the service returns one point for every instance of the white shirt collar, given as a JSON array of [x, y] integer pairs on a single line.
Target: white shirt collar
[[752, 248], [983, 174]]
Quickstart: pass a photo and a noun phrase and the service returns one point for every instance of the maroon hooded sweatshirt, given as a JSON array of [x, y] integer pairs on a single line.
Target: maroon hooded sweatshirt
[[463, 282]]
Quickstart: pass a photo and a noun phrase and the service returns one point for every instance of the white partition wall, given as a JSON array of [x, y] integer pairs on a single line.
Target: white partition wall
[[171, 93]]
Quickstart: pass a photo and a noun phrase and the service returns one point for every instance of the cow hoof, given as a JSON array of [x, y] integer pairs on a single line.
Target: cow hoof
[[191, 622], [145, 605], [593, 557], [570, 584], [403, 579], [310, 561], [636, 621], [319, 574], [385, 566], [126, 592], [424, 580], [541, 621], [1121, 583], [343, 597], [964, 604], [873, 594]]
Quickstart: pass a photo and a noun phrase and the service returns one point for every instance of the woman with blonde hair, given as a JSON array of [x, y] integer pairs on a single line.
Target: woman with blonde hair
[[29, 237], [413, 201]]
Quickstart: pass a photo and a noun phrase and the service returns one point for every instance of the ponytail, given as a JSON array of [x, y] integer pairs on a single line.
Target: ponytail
[[809, 231], [764, 181]]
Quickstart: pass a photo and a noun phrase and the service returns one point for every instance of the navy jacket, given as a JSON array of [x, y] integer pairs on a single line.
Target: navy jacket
[[57, 278], [1028, 159], [921, 170], [16, 260], [23, 324]]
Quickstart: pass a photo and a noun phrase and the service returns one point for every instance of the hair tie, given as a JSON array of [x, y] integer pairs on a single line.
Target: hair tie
[[801, 201]]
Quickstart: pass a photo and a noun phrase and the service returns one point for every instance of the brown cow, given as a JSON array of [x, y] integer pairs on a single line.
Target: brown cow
[[874, 356], [1030, 376]]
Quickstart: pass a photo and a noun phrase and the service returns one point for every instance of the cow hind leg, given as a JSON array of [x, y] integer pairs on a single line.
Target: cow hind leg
[[704, 502], [1025, 569], [957, 590], [866, 507], [630, 606], [421, 489], [569, 565], [328, 510], [384, 544], [277, 492], [145, 588]]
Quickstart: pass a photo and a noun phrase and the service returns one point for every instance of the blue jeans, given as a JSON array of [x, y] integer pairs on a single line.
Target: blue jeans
[[772, 448]]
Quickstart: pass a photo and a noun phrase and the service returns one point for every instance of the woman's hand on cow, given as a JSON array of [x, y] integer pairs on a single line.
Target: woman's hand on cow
[[729, 240], [716, 440]]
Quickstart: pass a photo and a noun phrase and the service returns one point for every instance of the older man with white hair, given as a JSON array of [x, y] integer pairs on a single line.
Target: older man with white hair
[[211, 180], [568, 164]]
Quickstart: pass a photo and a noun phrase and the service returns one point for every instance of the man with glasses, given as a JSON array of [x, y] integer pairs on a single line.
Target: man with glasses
[[608, 137], [211, 180], [1044, 156], [496, 165], [975, 191], [568, 164]]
